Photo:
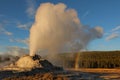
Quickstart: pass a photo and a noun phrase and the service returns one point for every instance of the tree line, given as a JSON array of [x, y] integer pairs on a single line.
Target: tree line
[[94, 59]]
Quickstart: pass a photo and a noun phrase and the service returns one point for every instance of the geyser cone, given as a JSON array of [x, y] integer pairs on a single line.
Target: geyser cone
[[27, 62]]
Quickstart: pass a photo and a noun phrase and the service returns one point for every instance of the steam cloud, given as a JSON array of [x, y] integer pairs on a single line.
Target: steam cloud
[[59, 29]]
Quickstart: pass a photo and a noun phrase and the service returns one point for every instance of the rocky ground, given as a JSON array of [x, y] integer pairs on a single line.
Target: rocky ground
[[40, 74], [43, 74]]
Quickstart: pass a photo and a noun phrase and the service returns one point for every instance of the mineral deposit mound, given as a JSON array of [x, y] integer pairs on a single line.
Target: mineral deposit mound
[[28, 65]]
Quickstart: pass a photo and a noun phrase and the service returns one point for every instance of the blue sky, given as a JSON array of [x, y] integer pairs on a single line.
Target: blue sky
[[17, 16]]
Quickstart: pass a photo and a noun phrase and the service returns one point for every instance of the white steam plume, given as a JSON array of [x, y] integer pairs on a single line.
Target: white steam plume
[[57, 28]]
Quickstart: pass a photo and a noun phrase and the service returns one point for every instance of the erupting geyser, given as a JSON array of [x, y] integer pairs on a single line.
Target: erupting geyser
[[57, 29]]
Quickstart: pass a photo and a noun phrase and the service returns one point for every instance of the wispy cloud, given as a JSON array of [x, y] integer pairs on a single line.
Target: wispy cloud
[[8, 33], [30, 8], [112, 36], [24, 26], [23, 41], [116, 28], [4, 31], [114, 33], [1, 15], [86, 14], [15, 50]]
